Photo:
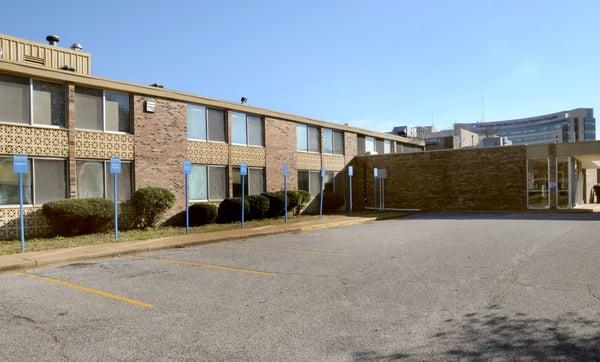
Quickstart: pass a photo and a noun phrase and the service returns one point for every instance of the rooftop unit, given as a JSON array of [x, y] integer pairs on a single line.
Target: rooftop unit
[[49, 56]]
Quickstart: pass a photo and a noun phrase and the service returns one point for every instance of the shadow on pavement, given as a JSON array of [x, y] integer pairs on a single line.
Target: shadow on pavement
[[493, 335], [556, 216]]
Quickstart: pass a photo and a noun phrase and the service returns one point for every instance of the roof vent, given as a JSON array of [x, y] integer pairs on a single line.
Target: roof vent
[[77, 47], [52, 39], [157, 85]]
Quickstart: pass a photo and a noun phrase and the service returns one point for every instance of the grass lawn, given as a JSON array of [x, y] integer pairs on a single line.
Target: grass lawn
[[57, 242]]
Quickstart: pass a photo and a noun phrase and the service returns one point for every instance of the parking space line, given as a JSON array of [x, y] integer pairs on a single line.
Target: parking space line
[[207, 266], [283, 250], [93, 291]]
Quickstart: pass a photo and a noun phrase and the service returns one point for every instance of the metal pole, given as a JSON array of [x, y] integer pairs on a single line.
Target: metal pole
[[187, 205], [22, 219], [242, 201], [286, 197], [321, 206], [115, 197], [350, 194], [382, 194]]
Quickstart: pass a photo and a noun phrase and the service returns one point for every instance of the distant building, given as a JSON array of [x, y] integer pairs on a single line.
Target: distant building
[[421, 132], [566, 126], [452, 139]]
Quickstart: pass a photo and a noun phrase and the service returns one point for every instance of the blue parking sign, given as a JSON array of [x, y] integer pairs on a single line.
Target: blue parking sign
[[20, 164], [285, 170], [243, 169], [115, 165], [187, 167]]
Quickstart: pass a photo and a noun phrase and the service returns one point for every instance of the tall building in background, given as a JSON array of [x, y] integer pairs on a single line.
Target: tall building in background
[[566, 126]]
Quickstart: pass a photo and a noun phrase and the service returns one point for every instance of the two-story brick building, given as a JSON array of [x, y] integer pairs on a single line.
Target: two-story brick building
[[70, 123]]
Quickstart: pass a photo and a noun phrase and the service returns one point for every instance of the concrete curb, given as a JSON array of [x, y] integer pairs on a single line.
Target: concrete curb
[[68, 255]]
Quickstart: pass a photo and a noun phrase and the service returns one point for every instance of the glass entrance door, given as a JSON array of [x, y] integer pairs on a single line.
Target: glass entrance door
[[562, 183]]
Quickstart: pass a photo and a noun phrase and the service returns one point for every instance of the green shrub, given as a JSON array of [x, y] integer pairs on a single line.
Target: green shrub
[[276, 203], [149, 204], [332, 201], [200, 214], [259, 206], [298, 198], [230, 210], [79, 216], [128, 218]]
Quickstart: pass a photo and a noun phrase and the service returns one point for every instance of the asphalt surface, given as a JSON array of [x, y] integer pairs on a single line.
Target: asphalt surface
[[425, 287]]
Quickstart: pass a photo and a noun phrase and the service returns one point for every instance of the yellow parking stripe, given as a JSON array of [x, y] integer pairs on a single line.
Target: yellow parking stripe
[[208, 266], [283, 250], [87, 290]]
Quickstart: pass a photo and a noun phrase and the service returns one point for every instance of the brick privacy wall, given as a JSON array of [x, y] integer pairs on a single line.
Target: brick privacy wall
[[160, 146], [466, 179], [280, 148]]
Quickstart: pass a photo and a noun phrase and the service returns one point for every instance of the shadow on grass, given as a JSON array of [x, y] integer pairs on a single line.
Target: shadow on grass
[[494, 335]]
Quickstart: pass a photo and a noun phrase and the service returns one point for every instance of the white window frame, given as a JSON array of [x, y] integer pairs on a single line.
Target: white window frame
[[320, 130], [247, 129], [106, 173], [206, 108], [104, 113], [31, 123], [208, 166], [32, 170], [374, 141]]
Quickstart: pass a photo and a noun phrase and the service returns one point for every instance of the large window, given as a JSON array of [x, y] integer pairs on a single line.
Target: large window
[[208, 183], [379, 147], [310, 181], [387, 146], [333, 141], [49, 181], [95, 180], [246, 129], [254, 184], [31, 101], [307, 138], [205, 123], [100, 110], [537, 184], [370, 145]]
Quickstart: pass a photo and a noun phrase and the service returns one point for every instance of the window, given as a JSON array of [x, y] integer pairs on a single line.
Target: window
[[208, 183], [370, 145], [100, 110], [338, 142], [116, 111], [307, 138], [310, 181], [205, 123], [379, 147], [537, 184], [49, 182], [14, 99], [247, 129], [387, 146], [254, 183], [31, 101], [301, 137], [48, 103], [327, 140], [95, 180], [9, 184]]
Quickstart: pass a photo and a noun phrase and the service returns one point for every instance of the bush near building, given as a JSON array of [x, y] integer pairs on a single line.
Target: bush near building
[[79, 216], [200, 214], [230, 210], [297, 200], [259, 206], [148, 205]]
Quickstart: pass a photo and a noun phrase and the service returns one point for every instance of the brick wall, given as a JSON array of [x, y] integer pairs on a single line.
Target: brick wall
[[465, 179], [161, 146], [280, 149]]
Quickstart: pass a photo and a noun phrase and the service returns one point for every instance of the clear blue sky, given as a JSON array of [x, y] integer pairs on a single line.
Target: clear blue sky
[[373, 64]]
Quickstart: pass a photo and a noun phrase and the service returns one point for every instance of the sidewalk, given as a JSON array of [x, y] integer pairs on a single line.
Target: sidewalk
[[59, 256]]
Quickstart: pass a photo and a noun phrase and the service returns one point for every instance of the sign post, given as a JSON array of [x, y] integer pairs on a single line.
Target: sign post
[[243, 174], [323, 173], [115, 169], [187, 170], [284, 172], [20, 167], [350, 174]]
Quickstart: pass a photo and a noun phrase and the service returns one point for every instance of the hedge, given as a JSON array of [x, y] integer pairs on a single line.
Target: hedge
[[200, 214], [79, 216], [230, 210], [147, 206], [259, 206]]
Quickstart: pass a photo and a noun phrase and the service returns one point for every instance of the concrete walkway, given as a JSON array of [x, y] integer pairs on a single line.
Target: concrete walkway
[[67, 255]]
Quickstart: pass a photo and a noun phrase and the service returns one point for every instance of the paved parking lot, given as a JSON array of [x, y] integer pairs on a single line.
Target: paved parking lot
[[425, 287]]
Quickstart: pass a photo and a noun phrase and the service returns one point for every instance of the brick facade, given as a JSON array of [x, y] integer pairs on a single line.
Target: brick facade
[[280, 149], [160, 146], [466, 179]]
